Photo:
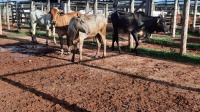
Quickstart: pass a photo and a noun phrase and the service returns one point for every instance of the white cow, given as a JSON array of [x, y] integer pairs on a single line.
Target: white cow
[[41, 18]]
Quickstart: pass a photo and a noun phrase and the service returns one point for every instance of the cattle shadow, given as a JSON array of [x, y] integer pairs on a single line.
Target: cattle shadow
[[45, 96], [73, 107], [189, 40], [131, 75], [20, 40]]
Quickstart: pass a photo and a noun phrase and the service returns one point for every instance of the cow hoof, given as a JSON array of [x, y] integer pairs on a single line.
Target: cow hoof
[[96, 56], [103, 57]]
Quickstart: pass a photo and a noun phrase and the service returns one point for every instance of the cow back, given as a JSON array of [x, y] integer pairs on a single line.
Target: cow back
[[62, 20], [38, 17]]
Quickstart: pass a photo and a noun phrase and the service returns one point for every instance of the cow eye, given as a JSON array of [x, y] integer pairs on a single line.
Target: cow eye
[[82, 22]]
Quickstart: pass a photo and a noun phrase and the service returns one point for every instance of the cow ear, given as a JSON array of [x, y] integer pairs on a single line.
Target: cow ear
[[78, 15]]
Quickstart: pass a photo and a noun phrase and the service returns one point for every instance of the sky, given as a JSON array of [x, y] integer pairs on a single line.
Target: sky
[[24, 0], [160, 1], [11, 0]]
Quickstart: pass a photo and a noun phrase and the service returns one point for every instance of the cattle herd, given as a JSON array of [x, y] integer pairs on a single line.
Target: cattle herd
[[77, 27]]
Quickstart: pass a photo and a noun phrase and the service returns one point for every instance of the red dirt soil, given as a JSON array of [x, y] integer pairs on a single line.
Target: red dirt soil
[[40, 79]]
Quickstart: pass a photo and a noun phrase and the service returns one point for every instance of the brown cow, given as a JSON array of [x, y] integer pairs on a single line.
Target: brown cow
[[61, 23], [179, 20], [87, 26]]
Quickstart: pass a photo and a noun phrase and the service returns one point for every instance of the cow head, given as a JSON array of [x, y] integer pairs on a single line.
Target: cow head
[[55, 12], [161, 22], [81, 23]]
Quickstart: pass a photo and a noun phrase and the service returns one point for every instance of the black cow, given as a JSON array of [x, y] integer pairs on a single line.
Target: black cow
[[133, 23]]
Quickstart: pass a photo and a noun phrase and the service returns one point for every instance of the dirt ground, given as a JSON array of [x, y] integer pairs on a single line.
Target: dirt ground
[[40, 79]]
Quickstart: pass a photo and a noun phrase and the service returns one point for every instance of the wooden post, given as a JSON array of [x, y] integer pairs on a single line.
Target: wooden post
[[68, 6], [106, 10], [194, 18], [174, 18], [95, 6], [7, 16], [0, 22], [65, 8], [148, 12], [42, 7], [185, 27], [48, 5], [32, 6], [132, 7], [18, 17], [148, 7], [152, 7], [87, 7], [115, 4], [136, 9], [130, 36]]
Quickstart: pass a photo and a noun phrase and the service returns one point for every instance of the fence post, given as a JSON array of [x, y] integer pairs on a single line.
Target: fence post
[[42, 7], [115, 5], [48, 5], [7, 16], [65, 8], [194, 17], [68, 6], [87, 8], [106, 10], [95, 6], [174, 18], [17, 16], [132, 7], [32, 6], [0, 22]]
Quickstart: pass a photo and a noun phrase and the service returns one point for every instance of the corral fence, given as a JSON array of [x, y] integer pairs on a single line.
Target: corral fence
[[19, 12]]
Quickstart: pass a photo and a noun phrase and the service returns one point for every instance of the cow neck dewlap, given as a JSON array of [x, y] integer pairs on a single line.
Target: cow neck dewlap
[[62, 21]]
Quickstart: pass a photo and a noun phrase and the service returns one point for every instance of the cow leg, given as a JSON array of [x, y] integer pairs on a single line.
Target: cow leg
[[116, 38], [103, 37], [98, 46], [148, 35], [48, 34], [54, 37], [113, 41], [74, 53], [33, 30], [135, 36], [61, 44]]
